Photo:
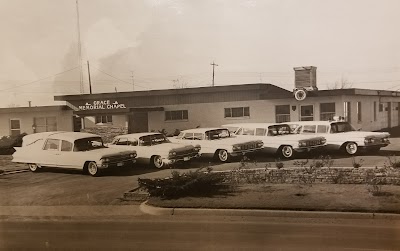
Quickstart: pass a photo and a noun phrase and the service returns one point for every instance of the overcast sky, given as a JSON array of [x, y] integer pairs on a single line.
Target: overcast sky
[[167, 42]]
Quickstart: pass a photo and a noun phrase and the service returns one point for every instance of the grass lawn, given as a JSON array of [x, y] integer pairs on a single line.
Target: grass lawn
[[318, 197]]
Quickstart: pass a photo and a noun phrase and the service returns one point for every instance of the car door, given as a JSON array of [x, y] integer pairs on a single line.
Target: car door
[[51, 152], [67, 158]]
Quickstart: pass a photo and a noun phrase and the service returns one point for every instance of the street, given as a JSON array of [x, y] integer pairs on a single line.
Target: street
[[204, 233]]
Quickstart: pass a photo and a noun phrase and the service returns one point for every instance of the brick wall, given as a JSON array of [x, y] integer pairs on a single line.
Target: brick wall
[[316, 175], [107, 132]]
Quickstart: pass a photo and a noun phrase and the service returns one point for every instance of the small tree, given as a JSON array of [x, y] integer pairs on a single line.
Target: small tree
[[343, 83]]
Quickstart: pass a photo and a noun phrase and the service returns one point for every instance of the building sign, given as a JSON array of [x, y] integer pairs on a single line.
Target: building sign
[[101, 105]]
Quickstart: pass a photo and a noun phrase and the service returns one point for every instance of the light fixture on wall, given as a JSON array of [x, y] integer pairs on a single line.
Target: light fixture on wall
[[294, 108]]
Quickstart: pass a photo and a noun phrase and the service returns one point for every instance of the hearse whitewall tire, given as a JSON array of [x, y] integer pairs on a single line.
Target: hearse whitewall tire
[[33, 167]]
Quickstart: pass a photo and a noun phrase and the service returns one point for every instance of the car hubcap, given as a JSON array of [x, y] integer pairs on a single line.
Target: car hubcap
[[158, 162], [33, 167], [351, 148], [92, 168], [287, 151], [223, 155]]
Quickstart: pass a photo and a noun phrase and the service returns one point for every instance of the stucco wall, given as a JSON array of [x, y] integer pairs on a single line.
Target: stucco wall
[[212, 114], [117, 121], [64, 120]]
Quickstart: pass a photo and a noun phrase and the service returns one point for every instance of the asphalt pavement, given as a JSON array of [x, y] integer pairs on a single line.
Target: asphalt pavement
[[206, 232]]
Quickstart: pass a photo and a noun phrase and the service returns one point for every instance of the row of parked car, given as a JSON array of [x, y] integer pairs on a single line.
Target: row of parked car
[[88, 152]]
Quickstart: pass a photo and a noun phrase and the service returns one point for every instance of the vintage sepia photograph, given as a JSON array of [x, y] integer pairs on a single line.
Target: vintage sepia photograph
[[200, 125]]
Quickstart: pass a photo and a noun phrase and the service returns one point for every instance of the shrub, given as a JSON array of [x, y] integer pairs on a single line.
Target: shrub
[[279, 164], [192, 183], [7, 143], [393, 162], [357, 164]]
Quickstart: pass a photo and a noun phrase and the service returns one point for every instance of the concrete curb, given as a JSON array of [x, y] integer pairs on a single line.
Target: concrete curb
[[151, 210]]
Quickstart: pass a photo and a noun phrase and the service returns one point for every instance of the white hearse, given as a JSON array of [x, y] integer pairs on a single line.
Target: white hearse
[[341, 135], [72, 150], [218, 143], [277, 138], [155, 149]]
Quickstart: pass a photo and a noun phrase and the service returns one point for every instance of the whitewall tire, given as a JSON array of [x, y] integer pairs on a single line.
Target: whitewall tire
[[33, 167], [351, 148], [157, 162], [286, 152], [92, 168]]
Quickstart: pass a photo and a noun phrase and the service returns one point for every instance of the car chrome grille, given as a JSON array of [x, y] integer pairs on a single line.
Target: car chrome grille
[[115, 159], [185, 153], [314, 142], [248, 146]]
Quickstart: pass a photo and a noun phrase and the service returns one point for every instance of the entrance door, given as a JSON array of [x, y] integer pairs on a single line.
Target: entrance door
[[306, 113], [138, 122]]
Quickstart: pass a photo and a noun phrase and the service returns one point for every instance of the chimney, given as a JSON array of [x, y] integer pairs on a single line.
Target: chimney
[[305, 77], [30, 103]]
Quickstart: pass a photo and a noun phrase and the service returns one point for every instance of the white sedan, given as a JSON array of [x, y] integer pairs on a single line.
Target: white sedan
[[218, 143], [71, 150], [155, 149], [278, 138], [341, 135]]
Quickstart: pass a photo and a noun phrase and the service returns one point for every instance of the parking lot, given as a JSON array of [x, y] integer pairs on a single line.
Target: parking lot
[[53, 187]]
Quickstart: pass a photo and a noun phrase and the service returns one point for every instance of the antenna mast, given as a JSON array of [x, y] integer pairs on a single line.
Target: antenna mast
[[79, 49], [213, 65]]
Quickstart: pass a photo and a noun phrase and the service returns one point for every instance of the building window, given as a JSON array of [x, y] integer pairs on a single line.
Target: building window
[[45, 124], [282, 113], [15, 127], [237, 112], [307, 113], [374, 110], [347, 111], [104, 119], [380, 107], [327, 111], [359, 117], [176, 115]]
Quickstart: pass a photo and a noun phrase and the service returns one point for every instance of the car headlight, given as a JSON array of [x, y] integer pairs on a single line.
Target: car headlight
[[132, 155], [302, 143], [323, 141], [385, 140], [105, 160], [235, 148], [260, 144], [368, 140], [197, 148], [171, 154]]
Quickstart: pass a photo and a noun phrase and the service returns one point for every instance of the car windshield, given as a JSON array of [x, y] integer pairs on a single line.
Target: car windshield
[[88, 144], [341, 127], [276, 130], [217, 134], [155, 139]]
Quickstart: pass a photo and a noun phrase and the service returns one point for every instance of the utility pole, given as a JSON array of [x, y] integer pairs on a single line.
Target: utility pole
[[79, 48], [213, 64], [133, 81], [90, 82]]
